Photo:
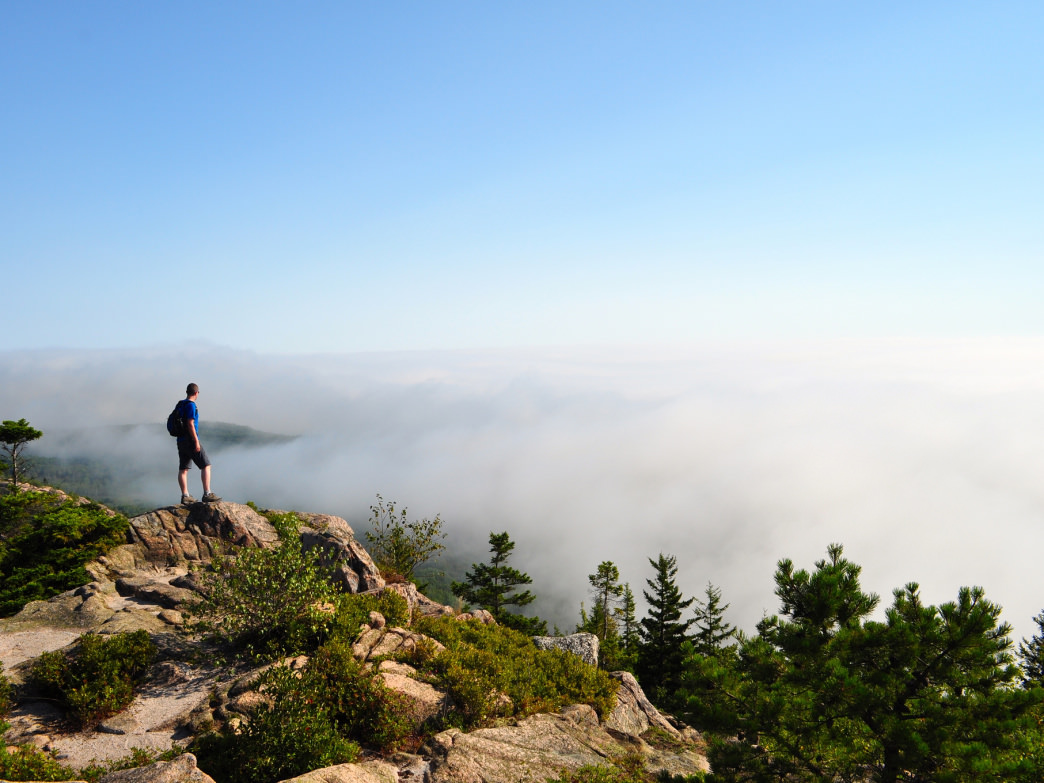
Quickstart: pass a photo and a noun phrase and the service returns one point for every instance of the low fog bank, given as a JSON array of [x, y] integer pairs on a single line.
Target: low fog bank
[[922, 458]]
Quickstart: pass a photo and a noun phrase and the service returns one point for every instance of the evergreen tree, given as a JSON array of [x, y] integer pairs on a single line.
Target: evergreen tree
[[662, 633], [711, 629], [603, 621], [823, 693], [14, 435], [1032, 654], [606, 590], [629, 639], [490, 586], [608, 634]]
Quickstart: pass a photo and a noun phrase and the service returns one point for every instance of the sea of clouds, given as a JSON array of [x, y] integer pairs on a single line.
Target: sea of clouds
[[923, 458]]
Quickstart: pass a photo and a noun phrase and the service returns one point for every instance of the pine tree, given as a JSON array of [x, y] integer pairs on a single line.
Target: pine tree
[[662, 632], [490, 586], [711, 629], [604, 620], [1032, 654], [606, 590], [14, 435], [823, 693], [629, 638]]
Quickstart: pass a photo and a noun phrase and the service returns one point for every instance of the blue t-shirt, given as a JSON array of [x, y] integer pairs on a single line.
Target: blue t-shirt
[[189, 410]]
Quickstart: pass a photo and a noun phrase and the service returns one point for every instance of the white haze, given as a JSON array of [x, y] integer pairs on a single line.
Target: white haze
[[923, 458]]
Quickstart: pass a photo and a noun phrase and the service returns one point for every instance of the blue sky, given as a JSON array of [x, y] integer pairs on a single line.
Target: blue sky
[[320, 177], [726, 280]]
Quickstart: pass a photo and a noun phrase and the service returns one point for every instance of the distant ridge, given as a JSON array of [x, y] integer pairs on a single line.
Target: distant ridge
[[217, 435], [81, 462]]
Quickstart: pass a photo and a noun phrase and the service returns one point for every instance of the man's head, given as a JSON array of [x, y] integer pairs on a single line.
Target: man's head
[[191, 390]]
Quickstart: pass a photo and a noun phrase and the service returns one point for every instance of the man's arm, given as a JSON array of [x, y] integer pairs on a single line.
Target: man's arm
[[191, 424]]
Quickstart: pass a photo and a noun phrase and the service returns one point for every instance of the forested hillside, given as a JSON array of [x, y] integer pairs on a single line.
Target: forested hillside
[[113, 480]]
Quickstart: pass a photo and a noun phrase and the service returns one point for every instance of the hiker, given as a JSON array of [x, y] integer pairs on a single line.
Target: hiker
[[190, 450]]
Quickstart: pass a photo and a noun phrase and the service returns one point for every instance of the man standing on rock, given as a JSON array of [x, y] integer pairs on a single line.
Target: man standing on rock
[[190, 450]]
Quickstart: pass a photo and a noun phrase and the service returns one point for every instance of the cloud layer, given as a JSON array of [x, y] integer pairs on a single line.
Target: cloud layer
[[922, 458]]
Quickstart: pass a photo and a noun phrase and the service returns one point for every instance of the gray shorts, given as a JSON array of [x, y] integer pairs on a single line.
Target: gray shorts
[[187, 454]]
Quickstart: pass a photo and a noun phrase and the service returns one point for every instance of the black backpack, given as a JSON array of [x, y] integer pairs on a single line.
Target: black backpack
[[176, 422]]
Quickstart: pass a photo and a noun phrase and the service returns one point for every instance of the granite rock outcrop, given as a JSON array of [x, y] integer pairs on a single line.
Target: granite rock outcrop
[[147, 583]]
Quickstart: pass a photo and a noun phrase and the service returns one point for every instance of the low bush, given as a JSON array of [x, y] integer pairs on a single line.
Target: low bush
[[29, 763], [267, 603], [625, 769], [97, 678], [45, 542], [353, 610], [25, 762], [361, 706], [290, 735], [484, 663], [311, 718], [6, 693]]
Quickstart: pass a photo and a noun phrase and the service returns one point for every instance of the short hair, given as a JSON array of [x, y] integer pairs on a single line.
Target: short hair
[[191, 389]]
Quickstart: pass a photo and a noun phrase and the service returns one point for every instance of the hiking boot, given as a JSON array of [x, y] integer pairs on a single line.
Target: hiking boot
[[187, 500], [210, 497]]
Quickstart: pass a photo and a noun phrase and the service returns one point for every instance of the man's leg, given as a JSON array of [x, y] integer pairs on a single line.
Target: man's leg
[[183, 481], [205, 475]]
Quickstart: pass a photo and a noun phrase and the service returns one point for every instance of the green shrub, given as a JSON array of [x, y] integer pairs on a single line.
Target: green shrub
[[29, 763], [482, 662], [359, 703], [353, 610], [267, 603], [45, 543], [625, 769], [6, 693], [312, 718], [97, 678], [293, 734], [399, 546]]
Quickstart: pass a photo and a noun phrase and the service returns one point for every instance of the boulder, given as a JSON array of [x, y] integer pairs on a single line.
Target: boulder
[[119, 561], [543, 746], [537, 748], [412, 768], [354, 569], [378, 642], [244, 694], [183, 769], [424, 700], [582, 645], [171, 617], [180, 535], [367, 772], [82, 607], [420, 605], [479, 615], [195, 533], [152, 590], [131, 619], [634, 713]]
